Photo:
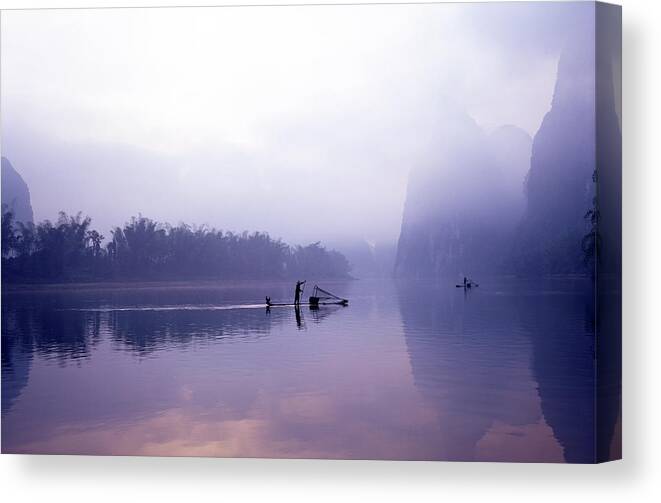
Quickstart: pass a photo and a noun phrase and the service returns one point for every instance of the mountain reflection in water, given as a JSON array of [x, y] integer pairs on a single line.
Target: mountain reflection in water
[[410, 370]]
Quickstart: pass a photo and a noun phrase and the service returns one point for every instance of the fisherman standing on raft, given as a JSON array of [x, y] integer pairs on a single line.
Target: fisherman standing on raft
[[298, 291]]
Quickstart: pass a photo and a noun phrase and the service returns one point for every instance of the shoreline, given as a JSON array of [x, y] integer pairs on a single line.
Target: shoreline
[[150, 284]]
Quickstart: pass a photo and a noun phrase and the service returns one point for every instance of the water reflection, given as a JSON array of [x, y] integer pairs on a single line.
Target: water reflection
[[48, 325], [470, 359], [154, 330], [560, 325], [16, 362], [507, 361], [609, 368], [320, 313], [408, 371], [29, 329]]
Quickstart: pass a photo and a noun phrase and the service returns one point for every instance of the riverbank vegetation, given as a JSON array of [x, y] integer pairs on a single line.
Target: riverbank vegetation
[[69, 249]]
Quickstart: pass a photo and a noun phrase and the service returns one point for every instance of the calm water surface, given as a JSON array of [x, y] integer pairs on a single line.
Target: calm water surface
[[410, 370]]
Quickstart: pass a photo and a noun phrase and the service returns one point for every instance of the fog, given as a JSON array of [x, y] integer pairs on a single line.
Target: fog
[[300, 121]]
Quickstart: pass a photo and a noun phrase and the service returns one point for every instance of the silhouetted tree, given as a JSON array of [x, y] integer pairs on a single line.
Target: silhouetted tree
[[94, 240], [8, 236], [70, 250]]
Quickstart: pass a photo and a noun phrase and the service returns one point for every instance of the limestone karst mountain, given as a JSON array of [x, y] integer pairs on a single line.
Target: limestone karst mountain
[[15, 193]]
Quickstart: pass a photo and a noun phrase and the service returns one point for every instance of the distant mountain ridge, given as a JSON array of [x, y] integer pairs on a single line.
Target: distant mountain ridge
[[15, 193], [573, 172], [503, 203], [560, 187], [461, 208]]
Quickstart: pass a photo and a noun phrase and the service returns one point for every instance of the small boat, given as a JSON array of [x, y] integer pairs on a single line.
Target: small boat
[[318, 298], [470, 284], [321, 296]]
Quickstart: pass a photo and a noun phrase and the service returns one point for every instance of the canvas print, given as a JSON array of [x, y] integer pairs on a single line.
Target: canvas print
[[387, 232]]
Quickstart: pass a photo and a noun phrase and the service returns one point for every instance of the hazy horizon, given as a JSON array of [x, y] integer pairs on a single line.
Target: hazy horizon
[[185, 115]]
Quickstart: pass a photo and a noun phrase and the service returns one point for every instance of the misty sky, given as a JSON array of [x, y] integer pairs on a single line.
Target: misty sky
[[300, 121]]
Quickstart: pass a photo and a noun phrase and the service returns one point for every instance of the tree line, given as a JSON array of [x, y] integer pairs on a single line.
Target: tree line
[[69, 249]]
